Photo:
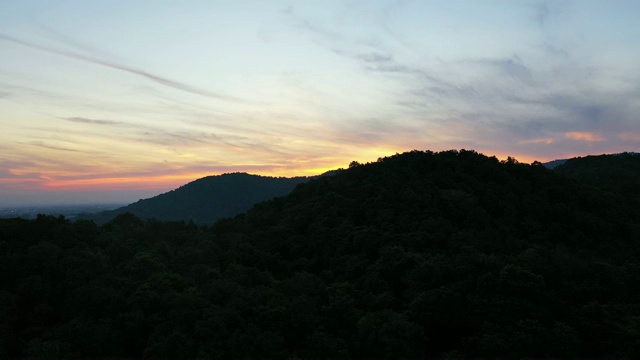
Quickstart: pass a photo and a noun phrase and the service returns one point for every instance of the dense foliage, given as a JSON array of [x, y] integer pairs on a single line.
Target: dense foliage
[[422, 254], [619, 173], [206, 200]]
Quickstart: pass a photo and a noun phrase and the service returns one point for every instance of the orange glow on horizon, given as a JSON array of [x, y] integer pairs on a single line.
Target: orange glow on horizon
[[66, 180], [171, 181], [116, 183], [161, 182], [166, 182]]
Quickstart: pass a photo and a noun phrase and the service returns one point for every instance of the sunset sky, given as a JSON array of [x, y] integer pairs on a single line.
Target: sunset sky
[[117, 100]]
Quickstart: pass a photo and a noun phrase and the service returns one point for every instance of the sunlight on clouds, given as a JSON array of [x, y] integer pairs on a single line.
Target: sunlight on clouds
[[136, 182], [22, 182], [302, 91], [547, 141], [584, 136]]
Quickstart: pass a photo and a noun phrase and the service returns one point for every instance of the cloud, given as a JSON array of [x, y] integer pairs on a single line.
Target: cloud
[[542, 13], [395, 87], [91, 121], [184, 142], [5, 174], [4, 94], [375, 57], [592, 113], [584, 136], [512, 67], [586, 107], [371, 53], [630, 136], [153, 77], [547, 141], [18, 173], [56, 36], [51, 147], [177, 138], [371, 132], [19, 90]]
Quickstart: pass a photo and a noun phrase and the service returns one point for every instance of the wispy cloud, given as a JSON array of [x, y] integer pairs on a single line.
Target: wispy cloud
[[356, 79], [375, 57], [584, 136], [153, 77], [83, 120], [546, 141], [512, 67], [591, 110], [6, 165], [178, 138], [542, 13], [52, 147]]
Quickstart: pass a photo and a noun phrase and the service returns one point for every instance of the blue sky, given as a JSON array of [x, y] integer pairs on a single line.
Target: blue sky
[[119, 100]]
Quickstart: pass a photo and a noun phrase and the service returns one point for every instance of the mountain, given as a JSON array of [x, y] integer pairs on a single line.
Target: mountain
[[214, 197], [553, 164], [618, 173], [208, 199], [418, 255]]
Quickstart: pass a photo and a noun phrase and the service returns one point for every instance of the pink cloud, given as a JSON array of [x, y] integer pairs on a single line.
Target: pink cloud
[[583, 136], [536, 141], [629, 136]]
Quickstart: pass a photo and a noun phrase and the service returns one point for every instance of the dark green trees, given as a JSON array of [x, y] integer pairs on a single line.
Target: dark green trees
[[418, 255]]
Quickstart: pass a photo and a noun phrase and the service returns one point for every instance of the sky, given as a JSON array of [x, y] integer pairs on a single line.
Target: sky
[[118, 100]]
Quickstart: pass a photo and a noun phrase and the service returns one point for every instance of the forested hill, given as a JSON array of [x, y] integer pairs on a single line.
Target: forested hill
[[618, 173], [208, 199], [451, 254]]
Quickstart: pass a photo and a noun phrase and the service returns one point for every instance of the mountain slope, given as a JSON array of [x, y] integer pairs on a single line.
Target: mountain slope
[[207, 199], [554, 163], [618, 173], [475, 257], [418, 255]]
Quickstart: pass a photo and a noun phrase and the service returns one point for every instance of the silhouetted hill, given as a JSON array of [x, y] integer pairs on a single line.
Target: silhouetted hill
[[555, 163], [418, 255], [618, 173], [208, 199]]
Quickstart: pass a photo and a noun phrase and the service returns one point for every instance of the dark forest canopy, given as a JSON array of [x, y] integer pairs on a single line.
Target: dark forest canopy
[[421, 254], [619, 173]]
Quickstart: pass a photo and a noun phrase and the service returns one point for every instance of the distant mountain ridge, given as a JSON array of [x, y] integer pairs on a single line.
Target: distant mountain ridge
[[618, 173], [555, 163], [208, 199]]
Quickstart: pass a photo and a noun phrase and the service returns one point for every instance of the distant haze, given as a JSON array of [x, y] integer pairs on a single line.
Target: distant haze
[[75, 198]]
